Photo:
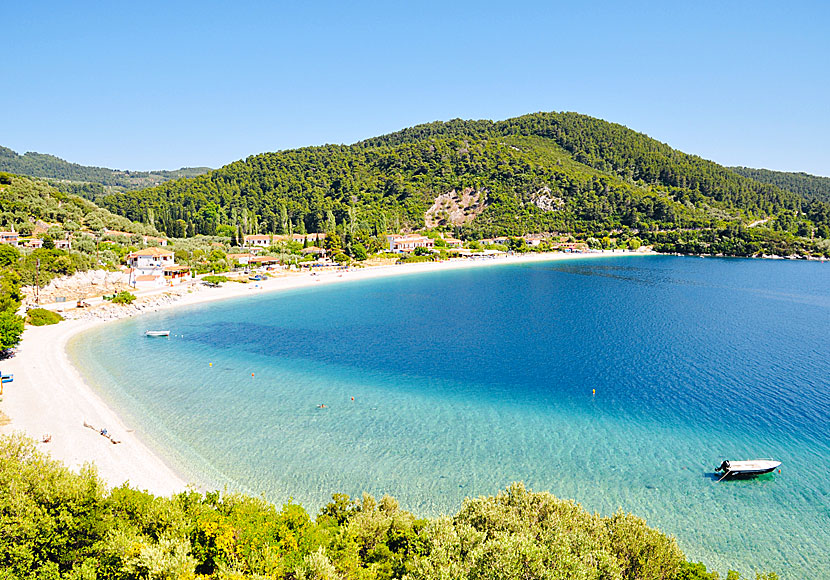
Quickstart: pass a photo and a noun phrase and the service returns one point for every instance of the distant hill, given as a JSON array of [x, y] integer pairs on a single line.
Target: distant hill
[[807, 186], [545, 172], [55, 168], [26, 202]]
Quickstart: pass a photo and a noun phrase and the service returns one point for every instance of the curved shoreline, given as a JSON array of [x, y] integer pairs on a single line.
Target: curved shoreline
[[49, 395]]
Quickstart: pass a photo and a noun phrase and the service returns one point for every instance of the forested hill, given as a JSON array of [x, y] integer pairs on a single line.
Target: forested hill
[[807, 186], [51, 167], [543, 172]]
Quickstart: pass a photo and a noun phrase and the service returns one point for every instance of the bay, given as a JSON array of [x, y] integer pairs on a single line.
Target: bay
[[619, 382]]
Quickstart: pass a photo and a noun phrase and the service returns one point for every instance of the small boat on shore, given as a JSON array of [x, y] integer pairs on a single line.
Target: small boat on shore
[[157, 333], [749, 468]]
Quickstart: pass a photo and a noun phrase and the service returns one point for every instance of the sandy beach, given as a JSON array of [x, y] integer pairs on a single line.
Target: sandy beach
[[49, 396]]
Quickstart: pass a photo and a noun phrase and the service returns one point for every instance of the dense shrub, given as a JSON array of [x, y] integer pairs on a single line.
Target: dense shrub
[[57, 524], [215, 279], [42, 317], [123, 297]]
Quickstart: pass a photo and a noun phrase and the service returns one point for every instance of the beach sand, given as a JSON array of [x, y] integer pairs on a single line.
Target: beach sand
[[48, 395]]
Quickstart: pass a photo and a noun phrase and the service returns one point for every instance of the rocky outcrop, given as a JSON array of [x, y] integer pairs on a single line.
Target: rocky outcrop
[[453, 208], [109, 311], [81, 285]]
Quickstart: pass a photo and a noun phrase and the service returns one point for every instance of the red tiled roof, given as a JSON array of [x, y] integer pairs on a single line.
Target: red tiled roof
[[151, 252]]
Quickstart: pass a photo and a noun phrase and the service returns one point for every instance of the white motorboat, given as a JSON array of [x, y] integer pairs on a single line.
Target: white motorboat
[[748, 468], [157, 333]]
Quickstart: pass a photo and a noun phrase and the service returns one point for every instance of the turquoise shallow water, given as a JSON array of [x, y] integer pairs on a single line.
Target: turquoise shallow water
[[464, 381]]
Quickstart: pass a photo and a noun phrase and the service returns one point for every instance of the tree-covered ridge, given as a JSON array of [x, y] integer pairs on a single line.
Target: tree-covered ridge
[[51, 167], [810, 187], [614, 148], [24, 202], [544, 172], [57, 524]]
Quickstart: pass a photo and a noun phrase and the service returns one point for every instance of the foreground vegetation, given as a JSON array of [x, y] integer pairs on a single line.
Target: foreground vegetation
[[57, 524]]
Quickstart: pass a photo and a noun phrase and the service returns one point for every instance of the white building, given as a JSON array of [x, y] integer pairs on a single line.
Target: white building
[[155, 268], [404, 244], [10, 238], [261, 240]]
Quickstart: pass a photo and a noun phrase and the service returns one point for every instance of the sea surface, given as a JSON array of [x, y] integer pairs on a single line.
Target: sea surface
[[618, 382]]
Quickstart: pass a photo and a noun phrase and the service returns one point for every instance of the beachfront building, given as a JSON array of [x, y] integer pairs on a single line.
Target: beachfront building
[[266, 240], [10, 238], [241, 259], [535, 240], [403, 244], [569, 247], [500, 240], [154, 268], [260, 240], [453, 242]]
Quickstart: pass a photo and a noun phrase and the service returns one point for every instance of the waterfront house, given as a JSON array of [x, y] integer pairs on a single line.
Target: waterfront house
[[401, 244], [154, 268]]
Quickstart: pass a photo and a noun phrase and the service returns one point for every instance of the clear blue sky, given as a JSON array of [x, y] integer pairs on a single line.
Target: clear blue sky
[[158, 85]]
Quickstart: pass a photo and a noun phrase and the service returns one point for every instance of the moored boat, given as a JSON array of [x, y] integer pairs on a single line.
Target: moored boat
[[748, 468], [157, 333]]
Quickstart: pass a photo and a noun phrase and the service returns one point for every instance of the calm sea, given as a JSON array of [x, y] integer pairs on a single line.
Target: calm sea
[[620, 383]]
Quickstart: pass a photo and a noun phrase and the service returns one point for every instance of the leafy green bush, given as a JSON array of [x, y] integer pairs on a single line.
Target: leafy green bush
[[215, 279], [42, 317], [59, 524], [341, 258], [413, 259], [123, 297]]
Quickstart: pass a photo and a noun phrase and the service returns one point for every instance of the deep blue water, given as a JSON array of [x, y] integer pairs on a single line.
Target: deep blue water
[[467, 380]]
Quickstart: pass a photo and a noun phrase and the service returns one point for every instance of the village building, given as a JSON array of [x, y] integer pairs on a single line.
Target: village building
[[453, 242], [569, 247], [401, 244], [501, 240], [534, 240], [10, 238], [261, 240], [242, 259], [63, 245], [155, 268], [266, 240]]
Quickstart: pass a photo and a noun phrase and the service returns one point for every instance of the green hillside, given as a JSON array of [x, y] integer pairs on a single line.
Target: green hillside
[[55, 168], [810, 187], [545, 172], [25, 202]]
